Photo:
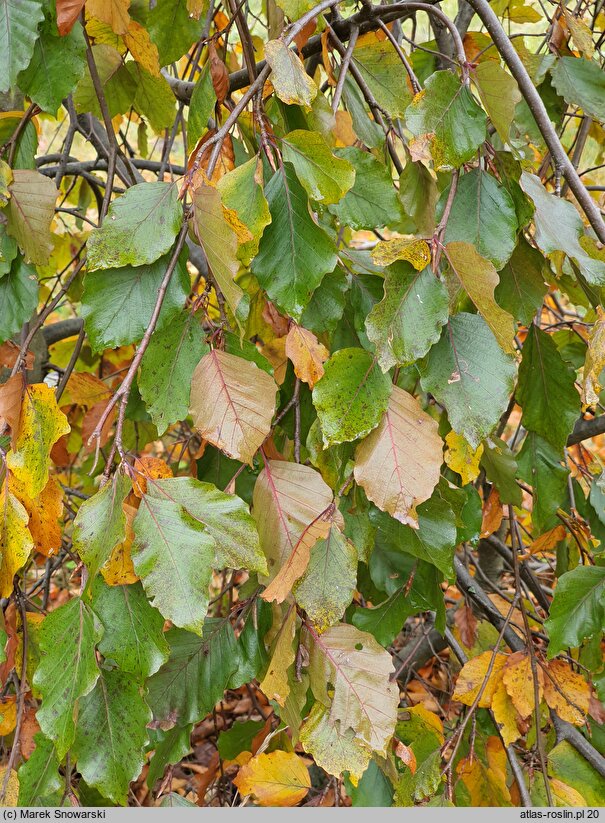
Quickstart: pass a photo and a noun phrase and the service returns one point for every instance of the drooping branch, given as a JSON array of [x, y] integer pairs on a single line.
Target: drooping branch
[[538, 109]]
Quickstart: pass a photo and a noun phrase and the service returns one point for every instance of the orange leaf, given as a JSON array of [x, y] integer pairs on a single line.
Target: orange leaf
[[11, 398], [112, 12], [547, 541], [9, 352], [492, 514], [307, 354], [218, 74], [148, 467], [67, 14], [406, 755]]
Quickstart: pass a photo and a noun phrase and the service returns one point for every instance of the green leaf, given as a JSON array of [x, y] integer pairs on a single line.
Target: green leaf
[[522, 283], [368, 131], [153, 97], [327, 304], [434, 540], [559, 227], [172, 554], [242, 191], [469, 374], [109, 298], [373, 790], [385, 621], [351, 397], [379, 65], [483, 214], [291, 82], [39, 778], [408, 320], [573, 769], [111, 735], [219, 242], [18, 297], [193, 680], [67, 670], [19, 21], [251, 649], [225, 517], [325, 177], [238, 738], [294, 253], [418, 194], [333, 748], [119, 87], [327, 586], [577, 611], [30, 211], [540, 465], [201, 105], [581, 83], [373, 201], [447, 113], [8, 250], [173, 29], [499, 94], [500, 468], [140, 227], [546, 390], [133, 635], [55, 68], [171, 747], [164, 381], [100, 524]]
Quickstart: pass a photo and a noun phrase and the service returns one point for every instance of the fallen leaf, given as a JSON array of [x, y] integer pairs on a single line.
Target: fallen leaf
[[275, 779]]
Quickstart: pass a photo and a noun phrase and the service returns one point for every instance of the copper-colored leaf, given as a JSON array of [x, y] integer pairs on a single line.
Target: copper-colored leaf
[[492, 513], [466, 623], [67, 14], [398, 464], [232, 403], [11, 398], [9, 352], [218, 73]]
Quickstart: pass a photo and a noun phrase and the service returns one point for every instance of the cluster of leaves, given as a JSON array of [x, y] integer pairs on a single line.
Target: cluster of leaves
[[261, 412]]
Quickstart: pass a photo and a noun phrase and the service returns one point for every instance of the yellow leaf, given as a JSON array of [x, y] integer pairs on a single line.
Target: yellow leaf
[[6, 178], [429, 719], [42, 423], [566, 692], [196, 7], [581, 34], [84, 389], [505, 715], [518, 679], [119, 569], [479, 278], [142, 48], [306, 353], [275, 682], [486, 786], [11, 797], [415, 251], [398, 464], [16, 543], [44, 513], [275, 352], [8, 714], [462, 458], [595, 361], [275, 779], [472, 676], [112, 12], [566, 795]]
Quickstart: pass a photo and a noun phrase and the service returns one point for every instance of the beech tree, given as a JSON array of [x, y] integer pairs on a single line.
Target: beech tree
[[301, 487]]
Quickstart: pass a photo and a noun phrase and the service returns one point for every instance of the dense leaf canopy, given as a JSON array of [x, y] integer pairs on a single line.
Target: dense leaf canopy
[[302, 485]]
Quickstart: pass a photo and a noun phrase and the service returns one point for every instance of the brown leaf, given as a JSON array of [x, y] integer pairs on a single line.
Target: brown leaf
[[492, 513], [225, 162], [85, 390], [307, 354], [9, 352], [273, 318], [11, 400], [29, 729], [466, 622], [89, 423], [218, 73], [67, 14], [302, 38]]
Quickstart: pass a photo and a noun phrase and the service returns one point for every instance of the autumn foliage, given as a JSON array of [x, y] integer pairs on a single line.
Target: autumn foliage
[[302, 480]]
